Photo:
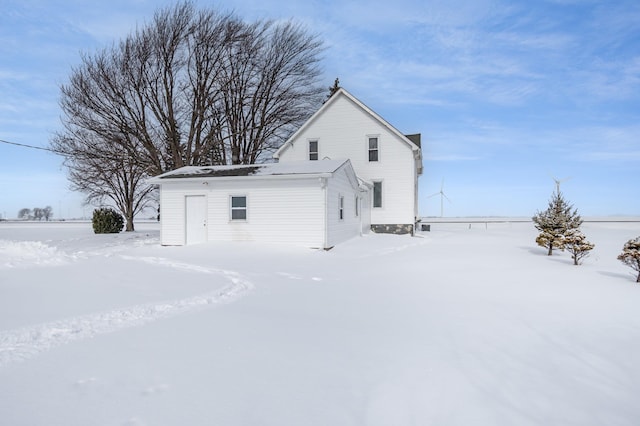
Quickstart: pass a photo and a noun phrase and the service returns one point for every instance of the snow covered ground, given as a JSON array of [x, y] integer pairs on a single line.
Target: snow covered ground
[[469, 324]]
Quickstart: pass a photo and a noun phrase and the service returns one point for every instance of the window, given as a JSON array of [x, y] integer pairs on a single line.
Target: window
[[357, 208], [373, 148], [341, 207], [239, 208], [377, 194], [313, 150]]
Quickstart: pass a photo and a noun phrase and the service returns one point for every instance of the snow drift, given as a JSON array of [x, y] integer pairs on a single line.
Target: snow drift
[[467, 324]]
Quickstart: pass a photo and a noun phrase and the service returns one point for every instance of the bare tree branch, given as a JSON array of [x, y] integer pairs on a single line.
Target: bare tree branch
[[193, 87]]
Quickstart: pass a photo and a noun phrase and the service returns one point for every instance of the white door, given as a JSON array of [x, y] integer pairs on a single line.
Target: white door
[[196, 219]]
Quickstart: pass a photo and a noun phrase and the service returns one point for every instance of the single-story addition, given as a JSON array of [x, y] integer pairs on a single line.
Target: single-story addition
[[315, 204]]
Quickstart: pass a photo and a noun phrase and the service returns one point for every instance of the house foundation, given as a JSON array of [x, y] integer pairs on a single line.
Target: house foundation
[[393, 229]]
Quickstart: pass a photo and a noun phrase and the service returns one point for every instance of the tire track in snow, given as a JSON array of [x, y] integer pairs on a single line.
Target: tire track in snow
[[27, 342]]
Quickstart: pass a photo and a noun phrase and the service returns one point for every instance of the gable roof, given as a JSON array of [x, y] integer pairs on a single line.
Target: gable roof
[[323, 168], [410, 140]]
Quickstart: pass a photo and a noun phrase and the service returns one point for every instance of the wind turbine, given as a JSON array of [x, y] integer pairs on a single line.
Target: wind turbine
[[559, 181], [442, 197]]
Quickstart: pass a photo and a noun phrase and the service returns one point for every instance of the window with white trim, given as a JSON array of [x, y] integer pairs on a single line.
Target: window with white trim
[[238, 207], [341, 206], [356, 206], [373, 148], [313, 150], [377, 194]]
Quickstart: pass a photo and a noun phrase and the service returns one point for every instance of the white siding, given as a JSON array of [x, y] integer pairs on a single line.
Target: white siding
[[365, 211], [172, 211], [294, 208], [349, 226], [286, 211], [342, 131]]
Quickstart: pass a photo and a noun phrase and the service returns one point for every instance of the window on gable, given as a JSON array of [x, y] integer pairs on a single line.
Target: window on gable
[[373, 148], [313, 150], [377, 194], [341, 207], [239, 207]]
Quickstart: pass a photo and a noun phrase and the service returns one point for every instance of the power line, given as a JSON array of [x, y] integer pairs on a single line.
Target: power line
[[30, 146]]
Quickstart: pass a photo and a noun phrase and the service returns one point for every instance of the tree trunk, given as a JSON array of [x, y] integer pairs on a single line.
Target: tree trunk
[[550, 252], [129, 217]]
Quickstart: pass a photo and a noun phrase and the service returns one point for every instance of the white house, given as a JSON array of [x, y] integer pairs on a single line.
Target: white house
[[310, 203], [392, 162]]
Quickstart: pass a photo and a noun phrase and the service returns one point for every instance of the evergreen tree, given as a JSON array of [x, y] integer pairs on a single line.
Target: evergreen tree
[[555, 221], [576, 243], [333, 89], [630, 255]]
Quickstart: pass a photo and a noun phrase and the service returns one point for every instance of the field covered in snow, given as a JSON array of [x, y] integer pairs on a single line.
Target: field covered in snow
[[469, 324]]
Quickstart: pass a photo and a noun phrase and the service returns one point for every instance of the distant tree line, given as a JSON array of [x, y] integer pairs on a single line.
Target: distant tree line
[[192, 87], [36, 213]]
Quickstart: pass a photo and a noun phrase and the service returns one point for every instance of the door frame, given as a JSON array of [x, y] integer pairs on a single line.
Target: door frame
[[188, 213]]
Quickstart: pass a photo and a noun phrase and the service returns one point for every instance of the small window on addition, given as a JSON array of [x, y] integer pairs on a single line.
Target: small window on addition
[[341, 207], [357, 207], [313, 150], [373, 149], [239, 208], [377, 194]]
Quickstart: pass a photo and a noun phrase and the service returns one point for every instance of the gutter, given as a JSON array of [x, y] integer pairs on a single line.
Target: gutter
[[168, 179]]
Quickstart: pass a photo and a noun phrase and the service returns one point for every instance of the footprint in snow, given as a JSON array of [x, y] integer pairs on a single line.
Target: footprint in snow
[[151, 390], [290, 276], [297, 277]]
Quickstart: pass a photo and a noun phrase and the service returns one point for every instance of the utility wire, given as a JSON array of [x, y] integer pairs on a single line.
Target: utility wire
[[92, 155], [30, 146], [121, 159]]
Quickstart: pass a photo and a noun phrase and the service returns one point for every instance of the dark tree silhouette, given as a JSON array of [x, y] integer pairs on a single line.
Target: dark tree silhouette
[[193, 87]]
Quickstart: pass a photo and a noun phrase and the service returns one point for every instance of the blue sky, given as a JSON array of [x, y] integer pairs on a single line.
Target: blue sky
[[507, 94]]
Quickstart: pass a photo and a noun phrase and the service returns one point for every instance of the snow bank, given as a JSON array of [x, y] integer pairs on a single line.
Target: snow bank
[[470, 323], [28, 254]]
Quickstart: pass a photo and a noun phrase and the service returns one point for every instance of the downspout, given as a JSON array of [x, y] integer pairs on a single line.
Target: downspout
[[323, 186], [360, 214]]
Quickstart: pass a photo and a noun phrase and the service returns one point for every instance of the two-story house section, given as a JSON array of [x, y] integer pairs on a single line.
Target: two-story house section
[[391, 162]]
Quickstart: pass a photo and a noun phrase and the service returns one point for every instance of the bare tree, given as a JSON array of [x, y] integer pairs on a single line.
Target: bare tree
[[196, 87], [37, 213], [190, 88], [106, 174], [47, 213], [24, 214], [268, 88]]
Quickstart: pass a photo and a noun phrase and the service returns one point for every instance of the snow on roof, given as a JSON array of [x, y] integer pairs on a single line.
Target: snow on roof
[[271, 169]]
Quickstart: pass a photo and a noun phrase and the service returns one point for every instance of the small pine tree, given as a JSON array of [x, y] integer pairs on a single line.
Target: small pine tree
[[107, 221], [549, 240], [333, 89], [630, 255], [576, 243], [554, 222]]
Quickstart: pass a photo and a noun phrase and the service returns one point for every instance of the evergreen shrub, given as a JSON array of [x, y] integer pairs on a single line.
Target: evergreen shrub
[[107, 221], [630, 255]]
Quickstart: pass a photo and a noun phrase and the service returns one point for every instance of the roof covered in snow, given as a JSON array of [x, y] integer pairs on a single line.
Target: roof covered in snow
[[271, 169]]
